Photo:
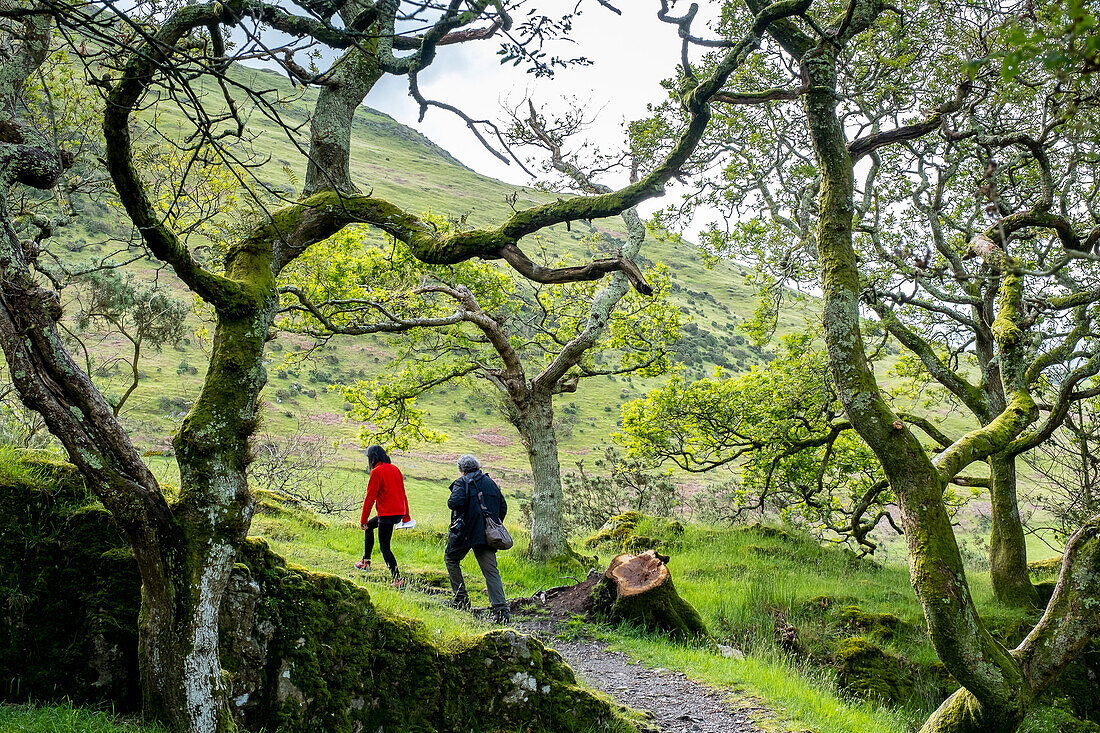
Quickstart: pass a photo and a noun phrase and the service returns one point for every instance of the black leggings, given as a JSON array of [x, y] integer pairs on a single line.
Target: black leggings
[[385, 533]]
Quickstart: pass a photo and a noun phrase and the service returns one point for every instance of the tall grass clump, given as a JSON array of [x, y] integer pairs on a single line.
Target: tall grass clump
[[64, 718]]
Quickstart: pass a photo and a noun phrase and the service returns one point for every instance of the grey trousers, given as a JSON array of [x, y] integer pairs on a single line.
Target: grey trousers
[[487, 561]]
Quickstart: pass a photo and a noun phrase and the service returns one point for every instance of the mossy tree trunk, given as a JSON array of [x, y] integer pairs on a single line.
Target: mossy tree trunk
[[350, 80], [1007, 548], [998, 685], [534, 419], [986, 400]]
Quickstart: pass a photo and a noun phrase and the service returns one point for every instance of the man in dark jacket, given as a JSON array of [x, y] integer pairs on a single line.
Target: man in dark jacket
[[468, 532]]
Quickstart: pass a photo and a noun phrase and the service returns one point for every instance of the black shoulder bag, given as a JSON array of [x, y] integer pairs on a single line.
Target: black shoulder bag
[[496, 536]]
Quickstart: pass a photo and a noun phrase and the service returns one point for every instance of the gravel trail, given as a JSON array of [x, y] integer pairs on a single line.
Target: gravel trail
[[673, 703]]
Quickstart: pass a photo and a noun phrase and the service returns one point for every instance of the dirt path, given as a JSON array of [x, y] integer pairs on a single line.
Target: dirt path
[[674, 703]]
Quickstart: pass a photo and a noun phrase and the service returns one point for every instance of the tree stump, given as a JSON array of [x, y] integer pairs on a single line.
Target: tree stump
[[639, 589]]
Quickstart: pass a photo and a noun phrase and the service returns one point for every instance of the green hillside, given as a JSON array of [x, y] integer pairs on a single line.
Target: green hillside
[[398, 163]]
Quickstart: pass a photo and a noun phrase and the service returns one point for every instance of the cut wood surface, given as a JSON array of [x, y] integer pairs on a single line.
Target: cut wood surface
[[636, 574]]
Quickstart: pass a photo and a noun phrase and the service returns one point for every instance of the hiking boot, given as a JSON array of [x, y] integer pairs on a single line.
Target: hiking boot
[[500, 616], [398, 582], [363, 565]]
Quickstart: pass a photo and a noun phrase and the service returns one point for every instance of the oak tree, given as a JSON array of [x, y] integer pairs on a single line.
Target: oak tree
[[182, 56]]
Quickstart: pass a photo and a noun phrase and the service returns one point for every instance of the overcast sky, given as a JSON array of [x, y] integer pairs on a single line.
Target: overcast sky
[[631, 54]]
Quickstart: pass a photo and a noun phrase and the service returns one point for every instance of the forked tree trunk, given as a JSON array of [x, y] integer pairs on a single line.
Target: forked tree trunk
[[534, 419], [638, 589], [1007, 548]]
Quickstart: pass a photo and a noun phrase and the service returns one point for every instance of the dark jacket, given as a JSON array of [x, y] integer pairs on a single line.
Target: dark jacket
[[463, 503]]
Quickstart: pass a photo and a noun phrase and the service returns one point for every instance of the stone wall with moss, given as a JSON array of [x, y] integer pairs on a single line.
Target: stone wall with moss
[[303, 651]]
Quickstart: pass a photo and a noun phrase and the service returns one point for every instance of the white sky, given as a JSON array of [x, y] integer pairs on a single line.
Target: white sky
[[631, 54]]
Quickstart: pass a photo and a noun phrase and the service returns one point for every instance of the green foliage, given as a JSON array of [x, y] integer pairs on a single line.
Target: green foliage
[[536, 321], [1062, 36], [148, 315], [780, 428]]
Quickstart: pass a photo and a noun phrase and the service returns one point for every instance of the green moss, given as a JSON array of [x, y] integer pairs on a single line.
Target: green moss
[[881, 626], [867, 671], [614, 529], [824, 603], [1045, 568], [635, 532], [69, 593]]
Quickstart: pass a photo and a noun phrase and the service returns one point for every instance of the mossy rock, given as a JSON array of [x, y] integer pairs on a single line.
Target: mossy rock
[[69, 593], [1045, 568], [635, 533], [881, 626], [867, 671], [615, 530], [825, 603], [303, 651]]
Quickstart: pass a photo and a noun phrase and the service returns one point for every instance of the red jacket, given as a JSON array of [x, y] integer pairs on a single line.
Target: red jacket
[[386, 487]]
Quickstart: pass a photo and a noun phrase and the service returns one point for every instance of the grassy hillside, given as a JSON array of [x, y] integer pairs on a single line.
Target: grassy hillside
[[395, 162]]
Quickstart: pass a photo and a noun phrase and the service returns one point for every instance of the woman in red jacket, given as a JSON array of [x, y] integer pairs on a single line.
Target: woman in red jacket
[[386, 490]]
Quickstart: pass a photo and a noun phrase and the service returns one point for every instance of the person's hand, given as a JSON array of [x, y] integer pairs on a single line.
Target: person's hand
[[362, 526]]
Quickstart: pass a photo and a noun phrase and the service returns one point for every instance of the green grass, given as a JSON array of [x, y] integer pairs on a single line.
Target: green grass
[[721, 571], [16, 471], [737, 578], [64, 718]]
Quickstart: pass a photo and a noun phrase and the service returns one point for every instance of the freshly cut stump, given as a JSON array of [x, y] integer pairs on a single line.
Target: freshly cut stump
[[639, 589]]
